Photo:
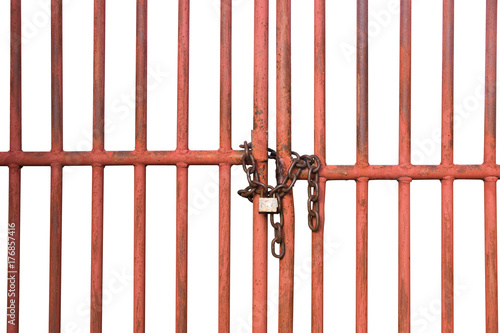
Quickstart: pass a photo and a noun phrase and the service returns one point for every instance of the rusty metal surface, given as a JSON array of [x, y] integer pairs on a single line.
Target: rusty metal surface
[[490, 184], [140, 169], [182, 169], [404, 317], [317, 241], [225, 157], [98, 169], [284, 151], [14, 222], [362, 160], [56, 169], [260, 144], [225, 168], [447, 285]]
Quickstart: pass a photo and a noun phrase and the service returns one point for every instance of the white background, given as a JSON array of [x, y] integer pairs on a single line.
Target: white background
[[203, 181]]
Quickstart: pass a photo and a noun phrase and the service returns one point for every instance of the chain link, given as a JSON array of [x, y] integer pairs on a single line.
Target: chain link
[[311, 163]]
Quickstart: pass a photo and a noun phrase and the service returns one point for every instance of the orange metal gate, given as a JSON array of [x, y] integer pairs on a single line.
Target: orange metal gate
[[225, 157]]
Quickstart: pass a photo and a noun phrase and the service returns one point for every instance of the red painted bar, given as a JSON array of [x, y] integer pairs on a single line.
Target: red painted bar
[[362, 160], [13, 249], [191, 157], [14, 222], [224, 247], [490, 83], [99, 73], [490, 189], [404, 314], [447, 322], [56, 170], [225, 169], [55, 249], [140, 169], [447, 289], [15, 75], [490, 241], [319, 150], [361, 255], [182, 169], [57, 75], [380, 172], [141, 91], [259, 144], [139, 248], [98, 170], [283, 147], [362, 83], [97, 252], [215, 157], [404, 255], [448, 65], [405, 84], [182, 247]]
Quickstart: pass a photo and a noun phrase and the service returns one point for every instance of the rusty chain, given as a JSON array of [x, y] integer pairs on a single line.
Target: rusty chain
[[299, 163]]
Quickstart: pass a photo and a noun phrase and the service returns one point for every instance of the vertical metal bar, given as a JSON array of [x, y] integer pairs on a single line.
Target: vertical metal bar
[[259, 144], [14, 224], [13, 247], [225, 169], [140, 169], [55, 249], [97, 252], [405, 160], [447, 325], [362, 255], [182, 168], [491, 76], [224, 246], [57, 75], [99, 72], [362, 159], [15, 75], [56, 169], [320, 151], [362, 83], [283, 145], [404, 322], [448, 74], [139, 248], [490, 192], [447, 312], [97, 170], [490, 215], [141, 76]]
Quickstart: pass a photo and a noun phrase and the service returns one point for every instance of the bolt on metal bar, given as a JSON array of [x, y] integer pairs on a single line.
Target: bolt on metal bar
[[14, 222], [283, 149], [182, 168], [56, 169], [140, 169], [317, 240], [97, 169], [405, 160], [259, 149], [362, 159], [447, 285], [490, 188], [225, 169]]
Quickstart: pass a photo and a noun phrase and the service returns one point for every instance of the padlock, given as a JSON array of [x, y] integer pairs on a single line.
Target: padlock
[[268, 205]]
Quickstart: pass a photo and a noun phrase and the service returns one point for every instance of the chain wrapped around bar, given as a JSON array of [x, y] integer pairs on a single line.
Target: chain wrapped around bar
[[310, 163]]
